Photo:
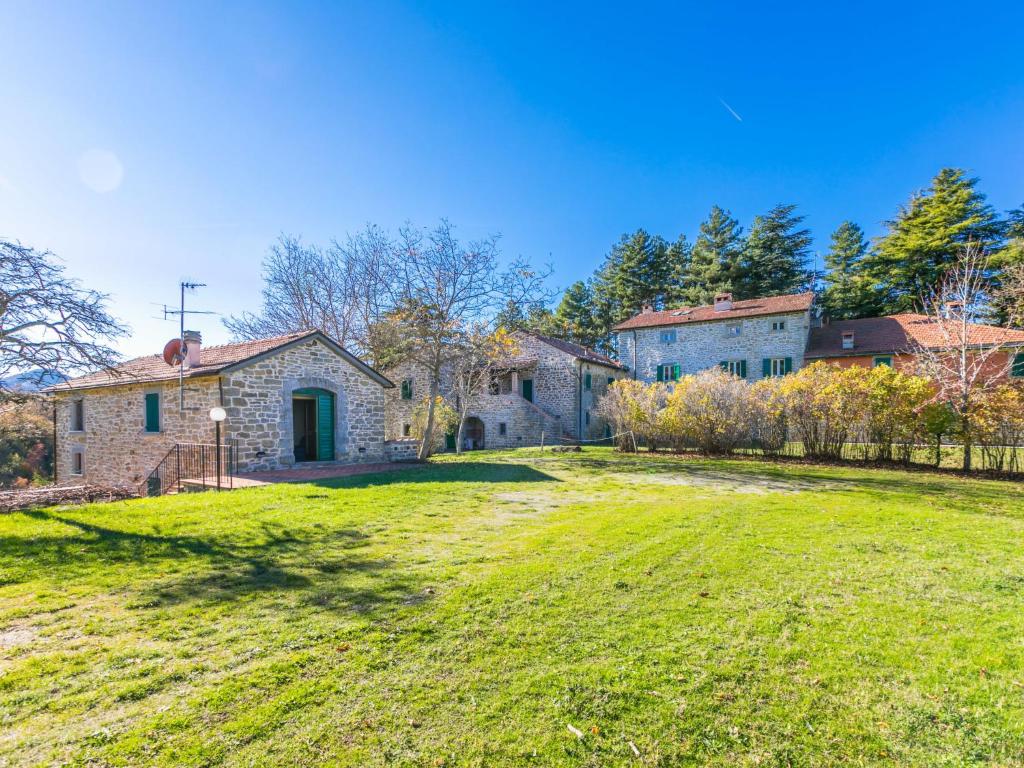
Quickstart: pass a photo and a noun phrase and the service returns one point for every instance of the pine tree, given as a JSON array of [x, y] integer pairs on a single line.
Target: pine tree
[[927, 235], [715, 258], [775, 255], [847, 291], [679, 256], [574, 317]]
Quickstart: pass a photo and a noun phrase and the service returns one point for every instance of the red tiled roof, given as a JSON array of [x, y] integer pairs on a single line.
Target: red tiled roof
[[770, 305], [898, 333], [212, 360], [577, 350]]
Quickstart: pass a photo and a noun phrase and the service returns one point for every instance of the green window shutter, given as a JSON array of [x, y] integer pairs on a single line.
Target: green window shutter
[[766, 367], [324, 426], [676, 369], [789, 365], [743, 369], [611, 380], [407, 389], [152, 412], [1018, 365], [661, 373], [587, 382], [724, 365]]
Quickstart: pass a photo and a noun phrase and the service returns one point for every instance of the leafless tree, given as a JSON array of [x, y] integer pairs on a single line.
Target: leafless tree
[[961, 365], [480, 354], [49, 323]]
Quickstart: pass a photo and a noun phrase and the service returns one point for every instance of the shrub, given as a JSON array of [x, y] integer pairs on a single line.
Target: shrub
[[823, 403], [893, 403], [999, 426], [632, 406], [768, 415], [26, 446], [709, 411]]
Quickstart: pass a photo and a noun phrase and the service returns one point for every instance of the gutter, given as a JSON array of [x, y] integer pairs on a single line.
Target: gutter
[[634, 354]]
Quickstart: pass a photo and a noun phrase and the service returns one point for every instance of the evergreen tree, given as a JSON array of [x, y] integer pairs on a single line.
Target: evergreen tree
[[847, 292], [1010, 257], [927, 235], [715, 258], [679, 256], [574, 317], [775, 255]]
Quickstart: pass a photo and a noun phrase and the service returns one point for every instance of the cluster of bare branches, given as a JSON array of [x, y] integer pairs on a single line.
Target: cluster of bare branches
[[49, 323]]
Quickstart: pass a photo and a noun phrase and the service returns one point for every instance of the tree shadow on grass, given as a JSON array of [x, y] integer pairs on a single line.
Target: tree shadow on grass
[[165, 570], [447, 472]]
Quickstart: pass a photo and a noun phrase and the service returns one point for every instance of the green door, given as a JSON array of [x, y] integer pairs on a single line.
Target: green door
[[318, 446], [528, 389]]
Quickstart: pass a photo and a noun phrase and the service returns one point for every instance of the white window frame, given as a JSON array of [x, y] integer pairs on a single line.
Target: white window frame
[[77, 408], [733, 329], [735, 367], [79, 452], [778, 366], [669, 336]]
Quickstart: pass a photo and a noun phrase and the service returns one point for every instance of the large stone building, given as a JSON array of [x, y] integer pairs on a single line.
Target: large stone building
[[289, 399], [753, 338], [550, 386]]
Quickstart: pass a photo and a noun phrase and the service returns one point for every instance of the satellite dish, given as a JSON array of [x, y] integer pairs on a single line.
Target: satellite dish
[[174, 352]]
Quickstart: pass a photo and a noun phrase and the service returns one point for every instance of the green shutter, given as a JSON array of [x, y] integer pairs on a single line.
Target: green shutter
[[611, 380], [1018, 365], [789, 365], [152, 412], [407, 389], [743, 369], [587, 381], [724, 365], [766, 367], [661, 375], [324, 426]]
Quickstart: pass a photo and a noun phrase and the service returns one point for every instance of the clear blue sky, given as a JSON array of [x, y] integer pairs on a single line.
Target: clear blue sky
[[148, 142]]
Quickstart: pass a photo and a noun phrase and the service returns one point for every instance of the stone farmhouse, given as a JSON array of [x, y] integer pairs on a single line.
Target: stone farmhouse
[[289, 399], [550, 386], [892, 340], [752, 339]]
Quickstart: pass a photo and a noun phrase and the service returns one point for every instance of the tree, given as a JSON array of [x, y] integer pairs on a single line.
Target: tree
[[962, 371], [715, 260], [574, 317], [847, 292], [775, 255], [48, 321], [1007, 266], [481, 354], [926, 238]]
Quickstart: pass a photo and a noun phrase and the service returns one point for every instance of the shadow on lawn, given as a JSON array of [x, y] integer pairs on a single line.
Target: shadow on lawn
[[447, 472], [321, 565]]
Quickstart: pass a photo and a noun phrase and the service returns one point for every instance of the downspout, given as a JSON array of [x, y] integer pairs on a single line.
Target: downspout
[[53, 401], [579, 399], [634, 354]]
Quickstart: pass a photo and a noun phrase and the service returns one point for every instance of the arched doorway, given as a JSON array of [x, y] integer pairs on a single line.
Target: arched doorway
[[313, 415], [473, 434]]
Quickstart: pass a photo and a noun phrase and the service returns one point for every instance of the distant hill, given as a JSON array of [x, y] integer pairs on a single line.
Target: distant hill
[[31, 381]]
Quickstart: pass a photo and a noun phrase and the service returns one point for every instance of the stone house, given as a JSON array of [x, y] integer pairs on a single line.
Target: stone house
[[289, 399], [753, 338], [892, 340], [550, 386]]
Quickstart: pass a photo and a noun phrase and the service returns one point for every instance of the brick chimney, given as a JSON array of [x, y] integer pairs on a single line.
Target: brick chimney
[[646, 309], [847, 339], [723, 302], [193, 345]]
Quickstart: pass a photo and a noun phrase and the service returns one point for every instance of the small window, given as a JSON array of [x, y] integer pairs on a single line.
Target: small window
[[406, 430], [778, 325], [668, 337], [883, 360], [407, 389], [587, 382], [1017, 371], [502, 428], [735, 367], [152, 411], [78, 415], [611, 380], [733, 329], [668, 372], [77, 462], [586, 417], [777, 366]]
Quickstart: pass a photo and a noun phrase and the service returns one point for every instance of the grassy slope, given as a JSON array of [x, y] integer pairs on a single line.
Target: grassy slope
[[726, 613]]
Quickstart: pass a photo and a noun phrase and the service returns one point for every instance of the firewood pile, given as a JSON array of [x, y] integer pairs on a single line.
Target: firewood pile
[[28, 498]]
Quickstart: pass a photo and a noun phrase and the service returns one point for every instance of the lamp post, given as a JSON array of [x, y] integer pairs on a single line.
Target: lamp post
[[218, 415]]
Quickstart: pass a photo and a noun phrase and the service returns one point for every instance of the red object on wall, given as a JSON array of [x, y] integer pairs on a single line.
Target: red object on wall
[[174, 352]]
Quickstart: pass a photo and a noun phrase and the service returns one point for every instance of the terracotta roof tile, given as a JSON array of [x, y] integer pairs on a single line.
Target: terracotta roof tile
[[577, 350], [770, 305], [897, 333]]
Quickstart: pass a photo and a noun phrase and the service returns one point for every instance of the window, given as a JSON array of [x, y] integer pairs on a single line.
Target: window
[[587, 382], [407, 389], [406, 430], [735, 367], [1017, 370], [78, 415], [77, 461], [733, 329], [668, 337], [777, 366], [882, 360], [586, 417], [502, 428], [668, 372], [611, 380], [778, 325], [152, 411]]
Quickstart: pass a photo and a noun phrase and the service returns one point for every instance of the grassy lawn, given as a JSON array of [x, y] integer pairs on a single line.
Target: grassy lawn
[[675, 612]]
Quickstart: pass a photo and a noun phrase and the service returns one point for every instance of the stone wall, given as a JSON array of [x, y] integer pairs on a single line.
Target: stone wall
[[117, 451], [699, 346]]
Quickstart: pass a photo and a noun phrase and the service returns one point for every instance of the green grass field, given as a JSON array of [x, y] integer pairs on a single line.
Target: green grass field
[[473, 612]]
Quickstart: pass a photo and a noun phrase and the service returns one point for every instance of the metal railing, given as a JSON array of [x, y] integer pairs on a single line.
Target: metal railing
[[192, 467]]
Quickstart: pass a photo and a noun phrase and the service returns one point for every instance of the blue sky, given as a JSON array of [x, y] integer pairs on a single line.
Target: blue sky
[[149, 142]]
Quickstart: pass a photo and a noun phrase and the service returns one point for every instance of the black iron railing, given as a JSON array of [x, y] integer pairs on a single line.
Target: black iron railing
[[192, 467]]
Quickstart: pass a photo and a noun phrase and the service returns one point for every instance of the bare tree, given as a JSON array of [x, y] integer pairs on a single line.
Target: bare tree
[[479, 356], [48, 322], [963, 365]]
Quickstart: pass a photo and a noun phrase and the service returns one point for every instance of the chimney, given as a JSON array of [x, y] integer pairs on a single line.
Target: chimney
[[847, 339], [723, 302], [193, 343], [646, 309], [953, 309]]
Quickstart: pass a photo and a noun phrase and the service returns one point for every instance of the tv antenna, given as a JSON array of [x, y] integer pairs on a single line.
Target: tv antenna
[[169, 313]]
